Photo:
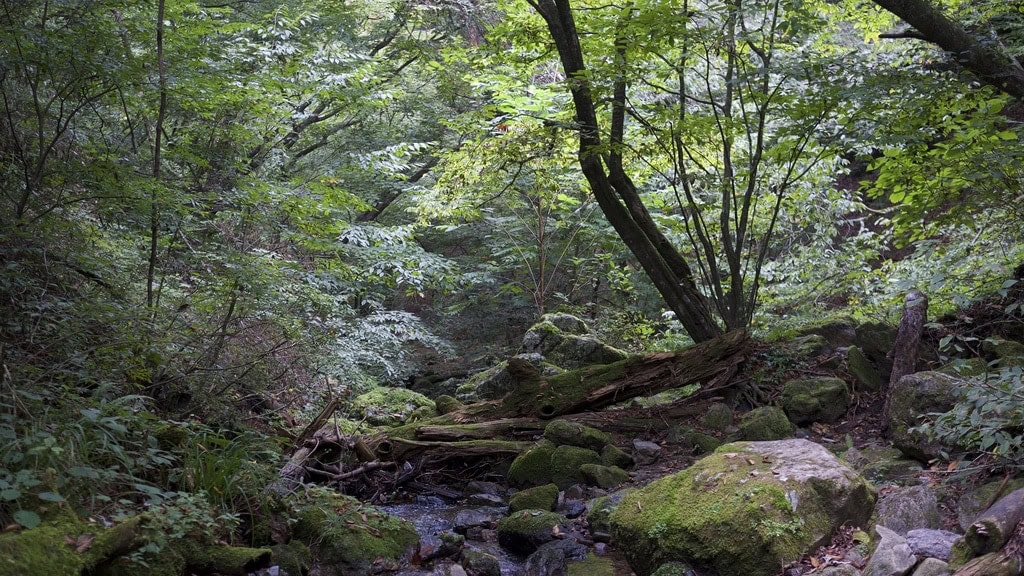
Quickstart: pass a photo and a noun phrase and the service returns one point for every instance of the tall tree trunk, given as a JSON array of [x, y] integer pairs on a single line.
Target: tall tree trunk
[[989, 64], [154, 208], [615, 192]]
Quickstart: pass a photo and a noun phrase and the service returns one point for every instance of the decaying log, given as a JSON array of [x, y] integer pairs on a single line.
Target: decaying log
[[595, 387], [992, 564], [505, 427], [399, 449], [908, 341], [996, 525], [290, 476]]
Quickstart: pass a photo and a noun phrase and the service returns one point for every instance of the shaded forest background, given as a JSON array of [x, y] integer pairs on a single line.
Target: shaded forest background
[[226, 214]]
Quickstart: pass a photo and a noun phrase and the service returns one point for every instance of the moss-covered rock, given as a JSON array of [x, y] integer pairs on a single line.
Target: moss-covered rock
[[603, 476], [389, 406], [965, 368], [809, 346], [1006, 352], [599, 510], [294, 557], [975, 500], [479, 563], [44, 550], [700, 443], [566, 462], [351, 538], [914, 396], [537, 498], [819, 399], [532, 467], [612, 455], [745, 509], [447, 404], [593, 565], [884, 464], [718, 417], [563, 432], [839, 332], [523, 531], [876, 339], [569, 349], [765, 423], [865, 375]]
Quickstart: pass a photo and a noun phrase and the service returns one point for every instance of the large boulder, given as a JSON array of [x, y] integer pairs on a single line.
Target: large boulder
[[765, 423], [904, 509], [565, 341], [815, 399], [391, 406], [745, 509], [914, 396], [352, 538], [496, 381]]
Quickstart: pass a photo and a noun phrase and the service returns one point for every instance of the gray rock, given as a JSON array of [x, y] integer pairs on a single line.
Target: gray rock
[[932, 567], [572, 507], [817, 399], [479, 563], [471, 518], [840, 570], [456, 570], [645, 452], [486, 500], [905, 509], [892, 557], [883, 464], [552, 558], [481, 487], [718, 417], [932, 543], [916, 395]]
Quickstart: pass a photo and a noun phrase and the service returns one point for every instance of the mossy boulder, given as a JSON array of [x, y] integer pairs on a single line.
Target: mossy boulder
[[351, 538], [809, 346], [532, 467], [875, 340], [976, 500], [965, 368], [1006, 352], [884, 464], [603, 476], [717, 417], [612, 455], [497, 381], [563, 432], [524, 531], [839, 332], [447, 404], [865, 375], [914, 396], [390, 406], [700, 443], [293, 557], [765, 423], [599, 510], [818, 399], [537, 498], [571, 347], [746, 509], [566, 462]]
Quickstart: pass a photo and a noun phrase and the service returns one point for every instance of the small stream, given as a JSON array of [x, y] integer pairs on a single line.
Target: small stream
[[432, 517]]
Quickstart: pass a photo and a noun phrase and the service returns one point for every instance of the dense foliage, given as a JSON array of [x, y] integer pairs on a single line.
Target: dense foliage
[[232, 212]]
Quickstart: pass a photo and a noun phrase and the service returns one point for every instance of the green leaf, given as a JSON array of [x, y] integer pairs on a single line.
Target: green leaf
[[50, 497], [27, 518], [10, 494]]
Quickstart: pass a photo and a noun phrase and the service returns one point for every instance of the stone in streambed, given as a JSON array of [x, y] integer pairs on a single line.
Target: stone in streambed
[[524, 531], [536, 498]]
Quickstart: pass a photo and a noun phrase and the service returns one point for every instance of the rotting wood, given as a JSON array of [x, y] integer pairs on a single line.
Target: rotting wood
[[996, 525], [908, 341]]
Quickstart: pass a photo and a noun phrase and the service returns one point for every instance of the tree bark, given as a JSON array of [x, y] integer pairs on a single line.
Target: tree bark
[[990, 65], [908, 341]]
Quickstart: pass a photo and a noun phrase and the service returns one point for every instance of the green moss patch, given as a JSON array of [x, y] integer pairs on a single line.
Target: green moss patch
[[536, 498], [765, 423]]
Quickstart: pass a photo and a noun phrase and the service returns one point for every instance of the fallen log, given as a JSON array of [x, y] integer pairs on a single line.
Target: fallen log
[[291, 475], [711, 363], [996, 525], [399, 449], [992, 564]]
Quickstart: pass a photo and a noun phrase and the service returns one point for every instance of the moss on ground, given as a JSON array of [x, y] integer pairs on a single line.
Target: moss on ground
[[537, 498], [593, 565], [351, 536]]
